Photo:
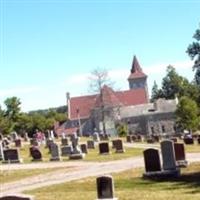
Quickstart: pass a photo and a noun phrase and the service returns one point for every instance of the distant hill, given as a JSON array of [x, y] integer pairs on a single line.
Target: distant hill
[[60, 109]]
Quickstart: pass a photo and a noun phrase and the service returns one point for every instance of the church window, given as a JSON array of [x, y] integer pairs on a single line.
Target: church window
[[152, 130], [163, 128]]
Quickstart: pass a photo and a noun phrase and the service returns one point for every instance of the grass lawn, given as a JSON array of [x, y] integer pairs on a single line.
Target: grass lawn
[[14, 175], [129, 186], [93, 154]]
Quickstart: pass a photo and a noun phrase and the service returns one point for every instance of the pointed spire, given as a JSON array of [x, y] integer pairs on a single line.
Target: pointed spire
[[135, 65], [136, 70]]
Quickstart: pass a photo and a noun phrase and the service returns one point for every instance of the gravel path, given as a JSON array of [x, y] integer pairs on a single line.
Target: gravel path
[[81, 170]]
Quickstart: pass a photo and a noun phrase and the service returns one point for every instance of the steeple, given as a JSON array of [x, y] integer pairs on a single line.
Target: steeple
[[136, 70], [137, 79]]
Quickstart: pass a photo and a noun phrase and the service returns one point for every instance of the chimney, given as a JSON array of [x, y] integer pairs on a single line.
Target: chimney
[[68, 103]]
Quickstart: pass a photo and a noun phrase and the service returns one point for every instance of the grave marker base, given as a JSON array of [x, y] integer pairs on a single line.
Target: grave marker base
[[120, 151], [12, 161], [181, 163], [55, 159], [76, 156], [162, 174]]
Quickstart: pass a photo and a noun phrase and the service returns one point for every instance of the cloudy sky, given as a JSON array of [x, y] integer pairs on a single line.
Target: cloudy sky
[[49, 47]]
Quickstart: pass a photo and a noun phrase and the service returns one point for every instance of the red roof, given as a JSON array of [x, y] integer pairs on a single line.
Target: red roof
[[107, 98], [85, 104], [136, 70]]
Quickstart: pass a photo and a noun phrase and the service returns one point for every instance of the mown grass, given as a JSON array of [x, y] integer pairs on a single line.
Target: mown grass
[[15, 175], [93, 154], [129, 185]]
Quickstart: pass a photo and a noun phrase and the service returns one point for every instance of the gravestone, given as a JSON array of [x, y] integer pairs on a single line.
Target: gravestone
[[64, 141], [18, 143], [26, 138], [188, 140], [1, 151], [90, 144], [14, 136], [180, 154], [128, 139], [16, 197], [118, 144], [76, 151], [152, 160], [1, 136], [168, 155], [35, 153], [66, 150], [104, 148], [105, 188], [11, 156], [84, 148], [55, 154], [198, 140], [134, 138], [96, 136]]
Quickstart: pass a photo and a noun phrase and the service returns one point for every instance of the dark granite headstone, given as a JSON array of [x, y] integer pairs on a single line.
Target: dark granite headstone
[[104, 148], [188, 140], [11, 156], [35, 153], [15, 197], [66, 150], [152, 160], [179, 151], [128, 138], [105, 187], [90, 144], [84, 148], [118, 144]]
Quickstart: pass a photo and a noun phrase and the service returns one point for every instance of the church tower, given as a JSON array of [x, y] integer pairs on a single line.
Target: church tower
[[137, 79]]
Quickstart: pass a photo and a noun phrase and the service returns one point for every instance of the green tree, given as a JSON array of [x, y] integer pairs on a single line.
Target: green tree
[[156, 93], [173, 84], [187, 114], [193, 51], [5, 125], [122, 129], [12, 108]]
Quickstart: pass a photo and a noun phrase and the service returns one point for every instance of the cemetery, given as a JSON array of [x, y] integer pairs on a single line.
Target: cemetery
[[164, 164], [69, 141]]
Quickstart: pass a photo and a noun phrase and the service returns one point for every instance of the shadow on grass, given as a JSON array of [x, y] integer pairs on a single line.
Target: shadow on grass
[[190, 181]]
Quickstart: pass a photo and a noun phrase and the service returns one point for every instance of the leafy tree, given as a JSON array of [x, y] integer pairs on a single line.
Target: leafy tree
[[122, 129], [187, 114], [193, 51], [12, 108], [173, 84], [156, 92], [5, 125]]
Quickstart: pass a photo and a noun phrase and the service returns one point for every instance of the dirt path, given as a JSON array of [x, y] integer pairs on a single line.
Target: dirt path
[[82, 170]]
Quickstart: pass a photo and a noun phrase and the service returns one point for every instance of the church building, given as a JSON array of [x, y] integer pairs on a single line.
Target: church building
[[102, 111]]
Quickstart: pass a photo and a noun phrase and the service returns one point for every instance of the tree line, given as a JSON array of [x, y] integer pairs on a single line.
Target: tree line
[[188, 93], [13, 119]]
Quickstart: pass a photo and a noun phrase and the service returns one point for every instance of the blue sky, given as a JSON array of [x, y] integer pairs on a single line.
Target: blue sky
[[50, 47]]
